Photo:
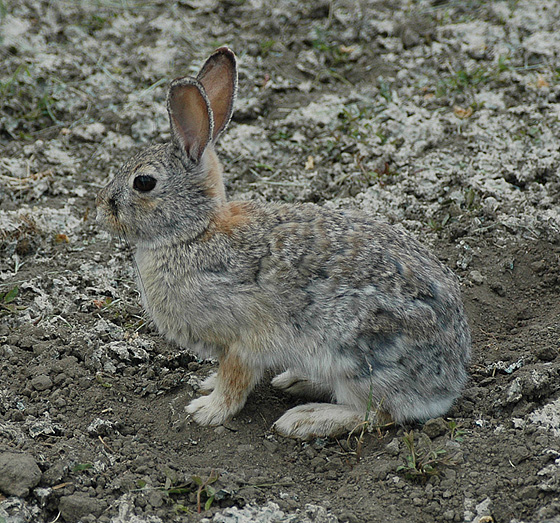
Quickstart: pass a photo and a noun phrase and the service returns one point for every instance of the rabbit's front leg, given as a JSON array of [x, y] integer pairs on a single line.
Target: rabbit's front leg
[[232, 384]]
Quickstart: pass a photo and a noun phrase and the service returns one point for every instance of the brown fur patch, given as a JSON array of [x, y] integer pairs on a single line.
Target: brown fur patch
[[236, 378], [230, 217]]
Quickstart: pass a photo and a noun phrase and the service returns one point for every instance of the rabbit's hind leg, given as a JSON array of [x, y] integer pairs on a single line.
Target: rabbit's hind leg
[[297, 385], [319, 420]]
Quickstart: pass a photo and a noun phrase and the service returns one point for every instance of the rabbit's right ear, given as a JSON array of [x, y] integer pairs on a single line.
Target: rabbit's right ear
[[190, 116], [218, 76]]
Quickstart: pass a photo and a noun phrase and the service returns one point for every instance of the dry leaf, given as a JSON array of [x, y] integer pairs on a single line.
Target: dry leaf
[[462, 113], [61, 238], [541, 82], [310, 163]]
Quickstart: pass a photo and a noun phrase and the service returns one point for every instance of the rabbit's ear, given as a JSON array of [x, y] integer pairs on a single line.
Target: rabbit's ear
[[190, 116], [219, 79]]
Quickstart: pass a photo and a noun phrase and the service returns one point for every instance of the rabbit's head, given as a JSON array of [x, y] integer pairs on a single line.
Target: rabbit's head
[[170, 191]]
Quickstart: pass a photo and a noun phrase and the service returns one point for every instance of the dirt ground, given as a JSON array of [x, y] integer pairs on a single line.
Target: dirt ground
[[439, 116]]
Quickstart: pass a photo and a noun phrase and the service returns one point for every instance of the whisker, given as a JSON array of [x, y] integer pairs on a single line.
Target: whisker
[[124, 239]]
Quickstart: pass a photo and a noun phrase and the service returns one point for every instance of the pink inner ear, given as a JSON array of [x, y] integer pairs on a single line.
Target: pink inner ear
[[218, 76], [220, 95], [190, 119]]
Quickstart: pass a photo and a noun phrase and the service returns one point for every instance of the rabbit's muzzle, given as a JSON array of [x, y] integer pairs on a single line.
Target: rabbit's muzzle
[[107, 211]]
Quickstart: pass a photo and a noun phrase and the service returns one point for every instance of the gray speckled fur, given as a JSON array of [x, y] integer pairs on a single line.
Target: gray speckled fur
[[340, 299]]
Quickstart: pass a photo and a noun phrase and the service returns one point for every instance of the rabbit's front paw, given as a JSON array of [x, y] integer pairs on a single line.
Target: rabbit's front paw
[[209, 384], [210, 410]]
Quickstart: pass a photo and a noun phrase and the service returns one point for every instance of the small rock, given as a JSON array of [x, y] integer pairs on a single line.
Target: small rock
[[489, 205], [27, 343], [539, 267], [89, 133], [156, 498], [41, 346], [271, 446], [318, 464], [310, 452], [248, 109], [484, 510], [383, 468], [101, 427], [476, 277], [41, 382], [435, 427], [514, 392], [498, 288], [42, 495], [519, 454], [18, 473], [193, 366], [347, 517], [547, 353], [319, 514], [331, 475], [74, 507], [393, 447], [54, 474]]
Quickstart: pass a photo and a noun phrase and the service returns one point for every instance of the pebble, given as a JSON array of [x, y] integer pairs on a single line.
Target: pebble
[[89, 133], [393, 447], [27, 343], [347, 516], [55, 473], [383, 467], [156, 498], [18, 473], [318, 464], [435, 427], [271, 446], [77, 506], [476, 277], [41, 382], [547, 353], [41, 346]]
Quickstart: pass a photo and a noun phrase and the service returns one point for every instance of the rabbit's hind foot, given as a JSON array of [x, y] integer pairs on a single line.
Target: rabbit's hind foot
[[319, 420]]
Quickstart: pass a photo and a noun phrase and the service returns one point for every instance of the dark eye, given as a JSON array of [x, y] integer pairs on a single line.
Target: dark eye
[[144, 183]]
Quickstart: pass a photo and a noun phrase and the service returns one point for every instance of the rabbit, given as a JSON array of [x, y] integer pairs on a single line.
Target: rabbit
[[355, 314]]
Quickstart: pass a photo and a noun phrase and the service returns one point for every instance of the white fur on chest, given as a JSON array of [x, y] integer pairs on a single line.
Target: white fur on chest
[[173, 296]]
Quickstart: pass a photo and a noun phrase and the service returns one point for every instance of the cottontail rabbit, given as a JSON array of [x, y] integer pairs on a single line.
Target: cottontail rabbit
[[351, 310]]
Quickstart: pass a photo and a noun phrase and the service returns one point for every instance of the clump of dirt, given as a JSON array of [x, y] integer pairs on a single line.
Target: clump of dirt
[[441, 117]]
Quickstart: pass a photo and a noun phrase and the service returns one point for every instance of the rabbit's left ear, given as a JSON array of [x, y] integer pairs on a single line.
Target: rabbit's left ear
[[218, 76]]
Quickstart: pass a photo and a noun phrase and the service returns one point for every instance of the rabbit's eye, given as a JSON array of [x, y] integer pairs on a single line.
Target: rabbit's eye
[[144, 183]]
